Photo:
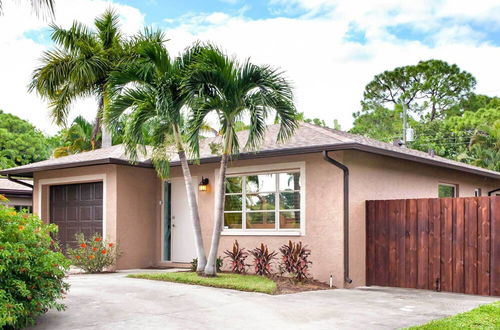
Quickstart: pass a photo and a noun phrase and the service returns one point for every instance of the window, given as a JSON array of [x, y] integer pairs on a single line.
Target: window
[[477, 192], [447, 190], [19, 208], [263, 201]]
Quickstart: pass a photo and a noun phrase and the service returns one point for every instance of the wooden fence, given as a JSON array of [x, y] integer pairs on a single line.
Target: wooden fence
[[443, 244]]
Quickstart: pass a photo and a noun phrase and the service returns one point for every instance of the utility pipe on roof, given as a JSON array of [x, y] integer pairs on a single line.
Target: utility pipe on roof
[[346, 212], [19, 181]]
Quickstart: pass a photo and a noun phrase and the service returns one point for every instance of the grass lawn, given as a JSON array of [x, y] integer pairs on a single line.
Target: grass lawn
[[251, 283], [483, 317]]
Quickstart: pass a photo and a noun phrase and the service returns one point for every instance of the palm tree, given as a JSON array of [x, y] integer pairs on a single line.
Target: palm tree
[[39, 7], [80, 66], [149, 88], [77, 138], [233, 90]]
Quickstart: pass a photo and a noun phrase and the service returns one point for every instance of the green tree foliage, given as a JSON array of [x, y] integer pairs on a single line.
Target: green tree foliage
[[31, 268], [44, 7], [80, 66], [77, 138], [429, 88], [21, 143], [317, 121]]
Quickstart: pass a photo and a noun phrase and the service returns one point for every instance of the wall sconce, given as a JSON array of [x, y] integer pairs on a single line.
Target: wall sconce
[[203, 186]]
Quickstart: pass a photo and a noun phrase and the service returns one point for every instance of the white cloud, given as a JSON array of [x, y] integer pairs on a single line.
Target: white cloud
[[329, 72]]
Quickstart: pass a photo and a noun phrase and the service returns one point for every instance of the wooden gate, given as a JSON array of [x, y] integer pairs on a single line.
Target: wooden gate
[[444, 244]]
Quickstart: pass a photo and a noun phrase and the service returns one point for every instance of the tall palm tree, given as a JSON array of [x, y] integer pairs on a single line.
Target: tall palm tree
[[233, 90], [77, 138], [80, 66], [148, 87], [45, 7]]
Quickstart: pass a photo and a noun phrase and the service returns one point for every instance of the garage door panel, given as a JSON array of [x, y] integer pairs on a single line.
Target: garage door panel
[[76, 208]]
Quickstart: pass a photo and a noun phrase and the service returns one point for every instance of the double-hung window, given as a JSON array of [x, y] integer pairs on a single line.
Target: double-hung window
[[263, 201]]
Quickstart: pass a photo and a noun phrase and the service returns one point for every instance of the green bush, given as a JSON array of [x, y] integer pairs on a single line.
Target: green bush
[[219, 263], [93, 255], [31, 268]]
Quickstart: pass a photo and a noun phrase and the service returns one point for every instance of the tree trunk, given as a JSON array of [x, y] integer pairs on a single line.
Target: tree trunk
[[193, 208], [210, 269], [106, 138]]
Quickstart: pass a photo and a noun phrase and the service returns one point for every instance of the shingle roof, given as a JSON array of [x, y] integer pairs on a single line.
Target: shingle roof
[[308, 138], [8, 186]]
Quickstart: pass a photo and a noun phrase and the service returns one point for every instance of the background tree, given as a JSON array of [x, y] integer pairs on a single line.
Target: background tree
[[77, 138], [80, 66], [148, 87], [20, 142], [232, 90], [429, 88]]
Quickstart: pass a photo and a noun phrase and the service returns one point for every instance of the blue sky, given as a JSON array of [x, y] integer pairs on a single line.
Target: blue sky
[[329, 49]]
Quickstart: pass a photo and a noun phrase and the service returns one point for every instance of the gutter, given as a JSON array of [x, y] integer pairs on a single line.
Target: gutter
[[19, 181], [346, 212]]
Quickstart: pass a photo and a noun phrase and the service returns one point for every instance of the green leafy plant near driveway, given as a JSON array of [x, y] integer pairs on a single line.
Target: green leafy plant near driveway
[[262, 259], [31, 268], [483, 317], [294, 260], [240, 282], [237, 258], [93, 255], [219, 264]]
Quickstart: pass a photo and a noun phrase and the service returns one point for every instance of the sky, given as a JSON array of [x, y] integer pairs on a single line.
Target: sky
[[328, 49]]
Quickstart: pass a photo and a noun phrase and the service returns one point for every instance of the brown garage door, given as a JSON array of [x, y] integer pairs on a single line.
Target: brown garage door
[[76, 208]]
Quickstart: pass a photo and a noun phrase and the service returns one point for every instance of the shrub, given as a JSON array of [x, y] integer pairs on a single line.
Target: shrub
[[294, 260], [262, 259], [237, 257], [218, 264], [31, 268], [93, 255]]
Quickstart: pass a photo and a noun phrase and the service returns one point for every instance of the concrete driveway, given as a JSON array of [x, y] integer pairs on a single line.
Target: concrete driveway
[[112, 301]]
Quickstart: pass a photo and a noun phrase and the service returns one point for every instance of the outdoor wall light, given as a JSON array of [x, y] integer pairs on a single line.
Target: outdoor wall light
[[203, 186]]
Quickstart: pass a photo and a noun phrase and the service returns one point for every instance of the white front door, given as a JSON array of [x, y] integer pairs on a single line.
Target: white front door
[[183, 246]]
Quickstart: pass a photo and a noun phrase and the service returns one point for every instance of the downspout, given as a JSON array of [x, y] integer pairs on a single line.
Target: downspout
[[346, 212], [493, 191], [19, 181]]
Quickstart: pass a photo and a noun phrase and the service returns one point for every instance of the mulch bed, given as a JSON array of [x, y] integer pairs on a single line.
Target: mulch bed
[[288, 285]]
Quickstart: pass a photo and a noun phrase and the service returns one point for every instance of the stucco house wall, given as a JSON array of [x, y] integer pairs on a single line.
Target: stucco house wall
[[374, 177]]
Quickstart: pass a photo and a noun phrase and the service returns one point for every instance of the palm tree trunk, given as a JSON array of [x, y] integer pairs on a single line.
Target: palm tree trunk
[[211, 269], [193, 205], [106, 134]]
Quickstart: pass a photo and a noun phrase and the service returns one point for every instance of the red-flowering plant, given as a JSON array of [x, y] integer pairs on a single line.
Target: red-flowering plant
[[32, 269], [294, 260], [262, 259], [237, 258], [93, 255]]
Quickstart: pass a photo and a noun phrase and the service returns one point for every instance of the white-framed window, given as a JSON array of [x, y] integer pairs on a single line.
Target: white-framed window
[[447, 190], [264, 201], [477, 192]]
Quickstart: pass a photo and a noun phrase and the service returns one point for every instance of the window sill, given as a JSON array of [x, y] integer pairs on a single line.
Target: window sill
[[259, 233]]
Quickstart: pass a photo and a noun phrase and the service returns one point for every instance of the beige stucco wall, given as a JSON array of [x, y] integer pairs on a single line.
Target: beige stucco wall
[[323, 216], [378, 177], [133, 210]]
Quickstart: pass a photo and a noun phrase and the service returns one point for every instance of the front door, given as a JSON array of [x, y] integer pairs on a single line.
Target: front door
[[183, 243]]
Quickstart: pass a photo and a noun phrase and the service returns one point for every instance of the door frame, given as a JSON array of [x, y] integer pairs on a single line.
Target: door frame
[[71, 180], [162, 222]]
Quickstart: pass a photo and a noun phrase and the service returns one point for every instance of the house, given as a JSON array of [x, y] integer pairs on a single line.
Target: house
[[312, 189], [19, 194]]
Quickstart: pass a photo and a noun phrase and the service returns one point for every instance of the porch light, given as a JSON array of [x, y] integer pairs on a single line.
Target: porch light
[[203, 186]]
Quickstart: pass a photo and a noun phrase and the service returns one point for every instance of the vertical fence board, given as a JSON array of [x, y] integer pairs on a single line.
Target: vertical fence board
[[393, 256], [447, 245], [470, 260], [412, 237], [400, 246], [423, 243], [370, 242], [495, 246], [483, 262], [458, 245], [381, 247], [434, 244]]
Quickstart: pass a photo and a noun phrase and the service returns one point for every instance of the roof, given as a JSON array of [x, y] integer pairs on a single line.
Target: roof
[[307, 139], [8, 187]]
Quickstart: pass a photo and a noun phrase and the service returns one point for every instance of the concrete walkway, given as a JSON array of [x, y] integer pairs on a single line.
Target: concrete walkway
[[112, 301]]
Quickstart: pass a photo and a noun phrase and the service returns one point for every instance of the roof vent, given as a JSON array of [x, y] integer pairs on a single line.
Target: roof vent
[[397, 143], [431, 152]]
